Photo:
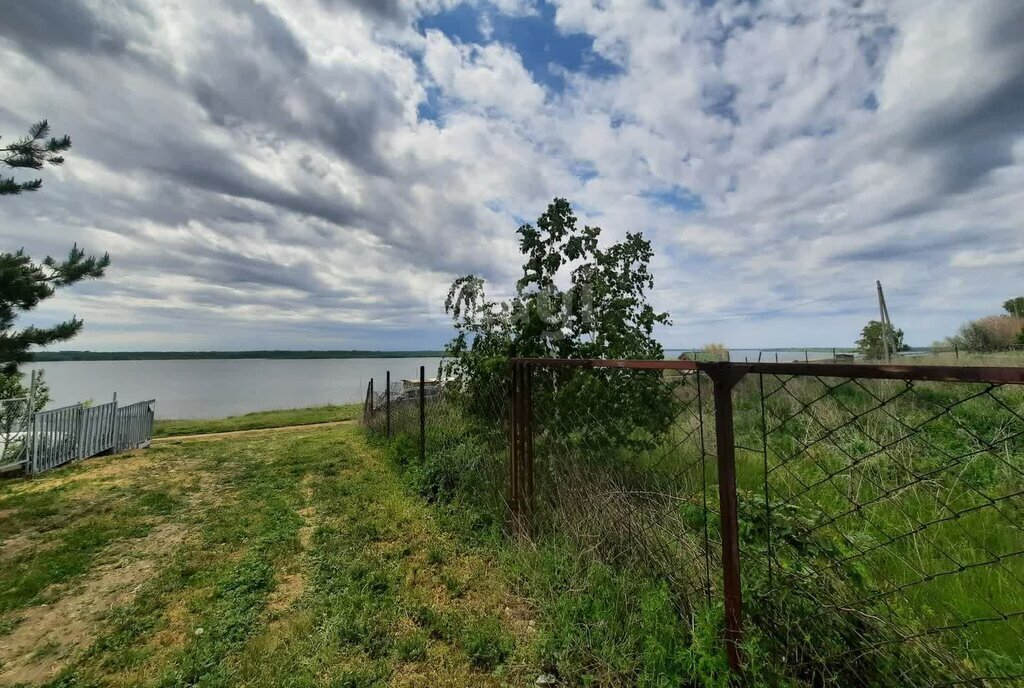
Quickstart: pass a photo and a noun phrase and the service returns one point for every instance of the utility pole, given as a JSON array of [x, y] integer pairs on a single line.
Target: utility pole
[[881, 319], [888, 334]]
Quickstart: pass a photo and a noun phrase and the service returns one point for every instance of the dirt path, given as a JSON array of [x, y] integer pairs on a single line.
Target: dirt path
[[262, 559], [253, 431]]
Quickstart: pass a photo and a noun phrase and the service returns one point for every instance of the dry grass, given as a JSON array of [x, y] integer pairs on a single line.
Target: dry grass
[[255, 560]]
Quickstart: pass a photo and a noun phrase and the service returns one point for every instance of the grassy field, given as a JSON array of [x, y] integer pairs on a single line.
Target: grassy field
[[263, 559], [258, 420], [319, 557]]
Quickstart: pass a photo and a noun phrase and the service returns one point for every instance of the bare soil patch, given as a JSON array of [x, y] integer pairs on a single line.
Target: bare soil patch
[[47, 636]]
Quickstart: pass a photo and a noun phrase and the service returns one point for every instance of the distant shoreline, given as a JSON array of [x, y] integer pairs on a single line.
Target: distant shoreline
[[57, 356], [285, 354]]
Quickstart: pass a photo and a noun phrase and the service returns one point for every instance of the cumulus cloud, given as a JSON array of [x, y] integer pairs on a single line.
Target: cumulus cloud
[[315, 172]]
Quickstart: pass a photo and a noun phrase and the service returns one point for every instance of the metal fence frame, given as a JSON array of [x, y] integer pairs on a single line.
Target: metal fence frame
[[59, 436], [724, 376]]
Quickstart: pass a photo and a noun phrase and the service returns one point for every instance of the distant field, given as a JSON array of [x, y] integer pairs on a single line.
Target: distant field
[[258, 420]]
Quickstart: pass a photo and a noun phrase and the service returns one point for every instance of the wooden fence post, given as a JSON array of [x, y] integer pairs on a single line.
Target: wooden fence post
[[387, 404], [725, 378]]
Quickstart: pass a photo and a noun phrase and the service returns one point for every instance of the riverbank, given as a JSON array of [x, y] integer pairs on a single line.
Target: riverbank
[[259, 420]]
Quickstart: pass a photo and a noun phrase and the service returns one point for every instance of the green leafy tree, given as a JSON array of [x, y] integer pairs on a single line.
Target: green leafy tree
[[1015, 306], [24, 282], [872, 340], [601, 311]]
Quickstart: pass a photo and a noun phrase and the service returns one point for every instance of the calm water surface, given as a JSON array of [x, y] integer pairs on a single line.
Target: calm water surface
[[216, 388]]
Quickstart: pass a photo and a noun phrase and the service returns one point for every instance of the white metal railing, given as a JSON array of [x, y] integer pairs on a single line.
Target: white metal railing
[[48, 439]]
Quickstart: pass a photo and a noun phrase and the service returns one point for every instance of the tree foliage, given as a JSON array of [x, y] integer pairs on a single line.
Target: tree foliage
[[574, 299], [24, 282], [873, 337], [1014, 306]]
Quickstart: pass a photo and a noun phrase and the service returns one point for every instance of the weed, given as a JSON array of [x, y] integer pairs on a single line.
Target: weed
[[486, 642], [412, 647]]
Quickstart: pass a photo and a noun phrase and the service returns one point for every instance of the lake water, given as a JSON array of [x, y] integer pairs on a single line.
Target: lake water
[[216, 388]]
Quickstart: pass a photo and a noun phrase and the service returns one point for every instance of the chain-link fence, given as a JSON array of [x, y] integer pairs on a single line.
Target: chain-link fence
[[866, 520], [452, 439], [891, 534], [864, 524]]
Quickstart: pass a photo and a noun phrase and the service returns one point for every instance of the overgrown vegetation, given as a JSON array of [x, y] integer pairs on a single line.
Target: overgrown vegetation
[[624, 531], [859, 512], [876, 338], [993, 332]]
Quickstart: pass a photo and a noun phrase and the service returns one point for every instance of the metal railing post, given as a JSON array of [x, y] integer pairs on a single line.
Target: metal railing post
[[725, 377], [387, 404], [34, 459], [79, 431], [423, 414]]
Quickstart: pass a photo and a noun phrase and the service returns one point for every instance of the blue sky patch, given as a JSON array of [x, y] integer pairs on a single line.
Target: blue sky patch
[[679, 198], [584, 170], [546, 53], [431, 107]]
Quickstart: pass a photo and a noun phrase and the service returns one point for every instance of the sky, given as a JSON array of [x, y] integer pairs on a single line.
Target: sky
[[313, 174]]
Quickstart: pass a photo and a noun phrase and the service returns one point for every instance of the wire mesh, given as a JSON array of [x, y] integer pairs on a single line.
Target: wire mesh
[[884, 534], [622, 467], [453, 438], [881, 525]]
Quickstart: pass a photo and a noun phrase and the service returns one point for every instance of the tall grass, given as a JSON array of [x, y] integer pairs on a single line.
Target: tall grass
[[882, 533]]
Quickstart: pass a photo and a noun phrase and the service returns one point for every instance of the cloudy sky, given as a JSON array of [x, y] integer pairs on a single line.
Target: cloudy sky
[[314, 173]]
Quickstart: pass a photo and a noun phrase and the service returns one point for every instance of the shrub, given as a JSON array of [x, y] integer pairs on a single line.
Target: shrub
[[715, 351], [991, 333]]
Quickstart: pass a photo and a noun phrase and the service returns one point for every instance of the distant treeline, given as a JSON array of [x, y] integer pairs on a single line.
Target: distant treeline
[[44, 356]]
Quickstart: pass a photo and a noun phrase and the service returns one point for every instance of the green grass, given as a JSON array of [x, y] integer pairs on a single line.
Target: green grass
[[867, 541], [258, 420], [300, 559], [316, 558]]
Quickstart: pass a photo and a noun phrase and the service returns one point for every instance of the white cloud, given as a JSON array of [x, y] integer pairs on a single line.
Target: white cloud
[[488, 78], [269, 163]]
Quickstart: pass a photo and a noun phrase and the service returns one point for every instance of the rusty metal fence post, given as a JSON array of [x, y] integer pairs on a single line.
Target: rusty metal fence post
[[520, 466], [423, 414], [724, 377]]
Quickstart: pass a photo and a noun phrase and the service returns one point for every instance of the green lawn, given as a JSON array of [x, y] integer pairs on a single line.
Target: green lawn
[[294, 558], [258, 420]]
